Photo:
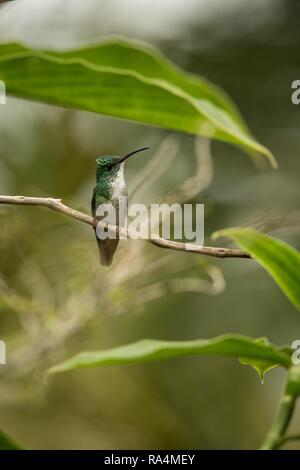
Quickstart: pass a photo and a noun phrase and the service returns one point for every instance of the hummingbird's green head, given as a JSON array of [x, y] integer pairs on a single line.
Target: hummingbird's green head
[[107, 162], [110, 163]]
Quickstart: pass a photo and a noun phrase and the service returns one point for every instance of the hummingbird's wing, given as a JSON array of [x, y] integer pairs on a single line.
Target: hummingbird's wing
[[93, 203], [108, 246]]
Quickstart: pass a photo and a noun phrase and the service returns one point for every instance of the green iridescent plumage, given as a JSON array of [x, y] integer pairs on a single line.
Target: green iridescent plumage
[[110, 186]]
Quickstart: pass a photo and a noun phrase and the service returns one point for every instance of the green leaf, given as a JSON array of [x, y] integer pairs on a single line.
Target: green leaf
[[6, 443], [127, 80], [279, 259], [156, 350], [261, 366]]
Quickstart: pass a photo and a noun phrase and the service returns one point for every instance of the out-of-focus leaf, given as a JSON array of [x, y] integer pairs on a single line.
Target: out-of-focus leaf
[[127, 80], [6, 443], [278, 258], [155, 350]]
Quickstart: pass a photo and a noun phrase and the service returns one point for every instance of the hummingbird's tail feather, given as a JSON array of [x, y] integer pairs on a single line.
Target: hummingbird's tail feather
[[107, 250]]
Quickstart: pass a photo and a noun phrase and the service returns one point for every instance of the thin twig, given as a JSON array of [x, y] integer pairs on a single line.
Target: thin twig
[[202, 178], [157, 166], [58, 206]]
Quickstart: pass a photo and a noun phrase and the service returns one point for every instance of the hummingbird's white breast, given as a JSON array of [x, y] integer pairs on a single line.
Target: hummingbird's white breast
[[118, 185]]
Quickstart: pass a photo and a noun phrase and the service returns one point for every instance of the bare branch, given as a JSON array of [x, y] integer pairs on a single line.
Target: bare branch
[[50, 203], [58, 206], [217, 252]]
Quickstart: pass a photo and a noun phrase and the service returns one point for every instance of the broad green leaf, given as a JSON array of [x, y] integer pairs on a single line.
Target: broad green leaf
[[6, 443], [127, 80], [156, 350], [279, 259]]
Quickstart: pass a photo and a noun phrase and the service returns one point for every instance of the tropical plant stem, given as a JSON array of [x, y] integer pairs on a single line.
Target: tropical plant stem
[[58, 206], [275, 437], [290, 437]]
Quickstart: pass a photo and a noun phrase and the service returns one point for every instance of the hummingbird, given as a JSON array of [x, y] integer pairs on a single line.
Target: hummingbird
[[110, 186]]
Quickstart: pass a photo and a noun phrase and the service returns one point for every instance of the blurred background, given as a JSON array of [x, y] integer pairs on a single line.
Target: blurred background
[[55, 299]]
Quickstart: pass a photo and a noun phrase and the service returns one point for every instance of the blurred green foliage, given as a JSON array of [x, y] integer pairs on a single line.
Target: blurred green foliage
[[127, 80]]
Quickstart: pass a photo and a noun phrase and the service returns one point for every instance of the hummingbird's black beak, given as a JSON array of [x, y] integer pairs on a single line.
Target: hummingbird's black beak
[[122, 159]]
